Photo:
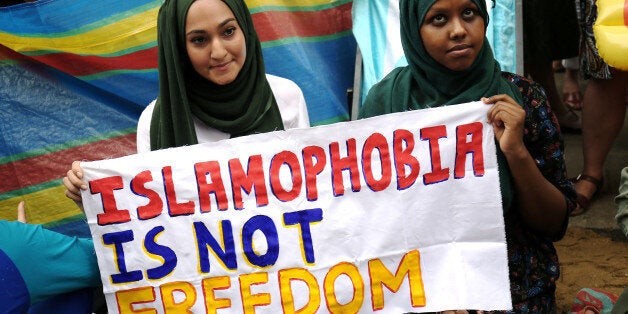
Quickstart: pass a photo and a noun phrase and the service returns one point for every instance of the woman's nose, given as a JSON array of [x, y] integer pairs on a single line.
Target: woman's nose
[[218, 50], [458, 29]]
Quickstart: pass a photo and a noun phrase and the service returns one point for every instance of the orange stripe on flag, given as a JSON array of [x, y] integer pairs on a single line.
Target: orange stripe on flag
[[44, 168], [274, 25]]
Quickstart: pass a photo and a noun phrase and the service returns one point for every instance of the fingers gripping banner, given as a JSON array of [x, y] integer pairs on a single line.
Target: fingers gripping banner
[[399, 213]]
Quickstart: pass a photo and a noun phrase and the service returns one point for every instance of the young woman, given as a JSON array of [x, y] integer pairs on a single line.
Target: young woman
[[212, 82], [450, 62]]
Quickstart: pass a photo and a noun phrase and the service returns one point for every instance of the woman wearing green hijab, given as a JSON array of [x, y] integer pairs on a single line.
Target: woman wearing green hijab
[[451, 62], [191, 102], [212, 82]]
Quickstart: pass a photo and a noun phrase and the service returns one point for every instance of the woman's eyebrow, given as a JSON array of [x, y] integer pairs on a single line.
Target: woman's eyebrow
[[200, 31], [436, 9], [226, 21], [195, 31]]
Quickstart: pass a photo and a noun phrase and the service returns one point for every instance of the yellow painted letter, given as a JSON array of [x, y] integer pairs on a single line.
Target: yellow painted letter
[[127, 298], [353, 273], [380, 276], [287, 299], [167, 296], [215, 283], [250, 301]]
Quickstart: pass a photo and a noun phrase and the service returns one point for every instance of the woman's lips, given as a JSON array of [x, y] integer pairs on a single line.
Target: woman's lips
[[221, 67], [460, 50]]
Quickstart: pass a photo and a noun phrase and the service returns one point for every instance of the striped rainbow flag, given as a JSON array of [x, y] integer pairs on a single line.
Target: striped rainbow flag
[[76, 74]]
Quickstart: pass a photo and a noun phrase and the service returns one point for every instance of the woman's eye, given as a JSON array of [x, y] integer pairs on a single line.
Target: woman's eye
[[197, 40], [468, 13], [229, 31], [439, 19]]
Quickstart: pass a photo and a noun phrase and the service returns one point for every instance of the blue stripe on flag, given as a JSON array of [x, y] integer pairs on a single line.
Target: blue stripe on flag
[[50, 17], [41, 107], [323, 70]]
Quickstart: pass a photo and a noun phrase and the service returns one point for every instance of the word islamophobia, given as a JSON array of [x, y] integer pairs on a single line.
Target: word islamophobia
[[228, 201], [313, 161]]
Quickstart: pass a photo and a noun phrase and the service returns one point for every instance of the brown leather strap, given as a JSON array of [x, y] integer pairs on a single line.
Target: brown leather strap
[[597, 182]]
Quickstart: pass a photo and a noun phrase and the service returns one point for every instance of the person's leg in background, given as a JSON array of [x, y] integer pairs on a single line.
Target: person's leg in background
[[603, 110], [602, 119], [572, 96]]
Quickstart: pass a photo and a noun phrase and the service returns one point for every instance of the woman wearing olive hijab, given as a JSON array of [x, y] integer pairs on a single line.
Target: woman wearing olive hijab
[[450, 62], [212, 79], [212, 82]]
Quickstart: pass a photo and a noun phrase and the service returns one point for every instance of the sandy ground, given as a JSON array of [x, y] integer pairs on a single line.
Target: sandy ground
[[594, 252], [594, 259]]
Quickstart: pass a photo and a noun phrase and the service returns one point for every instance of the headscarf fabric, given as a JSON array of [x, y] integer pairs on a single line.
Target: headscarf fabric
[[425, 83], [245, 106]]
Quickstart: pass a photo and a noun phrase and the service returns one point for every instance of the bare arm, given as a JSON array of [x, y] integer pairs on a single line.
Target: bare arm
[[540, 203]]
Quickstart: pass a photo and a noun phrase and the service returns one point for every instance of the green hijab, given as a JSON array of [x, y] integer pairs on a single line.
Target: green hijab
[[425, 83], [245, 106]]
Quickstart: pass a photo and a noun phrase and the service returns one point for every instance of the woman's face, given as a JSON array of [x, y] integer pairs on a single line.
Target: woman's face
[[453, 33], [214, 41]]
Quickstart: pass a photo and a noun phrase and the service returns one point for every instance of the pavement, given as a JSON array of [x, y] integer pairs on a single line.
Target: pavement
[[601, 213]]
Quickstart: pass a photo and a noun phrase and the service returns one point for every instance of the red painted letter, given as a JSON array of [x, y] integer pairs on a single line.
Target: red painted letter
[[473, 147], [312, 169], [105, 187], [379, 142], [174, 208], [155, 204], [290, 159], [253, 178], [211, 168], [338, 164], [403, 158], [432, 134]]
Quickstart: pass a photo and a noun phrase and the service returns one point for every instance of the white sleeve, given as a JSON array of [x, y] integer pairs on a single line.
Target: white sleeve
[[143, 129], [290, 101]]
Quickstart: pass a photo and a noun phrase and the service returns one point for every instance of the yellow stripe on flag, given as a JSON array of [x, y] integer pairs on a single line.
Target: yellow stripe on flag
[[136, 30], [42, 207]]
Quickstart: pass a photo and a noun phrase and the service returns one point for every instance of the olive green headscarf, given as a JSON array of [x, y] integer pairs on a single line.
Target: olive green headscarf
[[244, 106], [425, 83]]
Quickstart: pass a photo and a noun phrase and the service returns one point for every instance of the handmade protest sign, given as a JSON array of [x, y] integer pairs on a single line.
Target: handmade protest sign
[[395, 213]]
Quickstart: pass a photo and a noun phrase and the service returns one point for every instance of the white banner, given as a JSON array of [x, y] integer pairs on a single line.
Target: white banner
[[398, 213]]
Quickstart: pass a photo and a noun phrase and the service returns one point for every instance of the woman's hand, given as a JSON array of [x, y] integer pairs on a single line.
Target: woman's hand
[[73, 182], [21, 212], [507, 118]]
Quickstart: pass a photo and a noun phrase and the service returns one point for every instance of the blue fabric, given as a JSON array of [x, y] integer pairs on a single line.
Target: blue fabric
[[14, 297], [501, 33], [75, 302], [50, 263]]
